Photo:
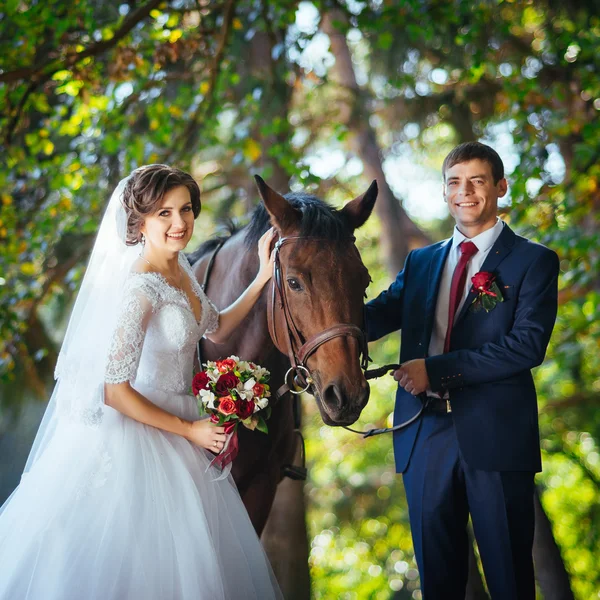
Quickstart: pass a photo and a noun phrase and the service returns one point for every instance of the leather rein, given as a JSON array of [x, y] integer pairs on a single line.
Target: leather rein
[[291, 342]]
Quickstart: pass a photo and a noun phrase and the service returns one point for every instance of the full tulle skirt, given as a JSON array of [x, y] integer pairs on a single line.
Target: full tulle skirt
[[127, 511]]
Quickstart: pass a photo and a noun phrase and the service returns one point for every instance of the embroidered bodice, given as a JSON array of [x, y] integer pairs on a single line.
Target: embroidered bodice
[[157, 332]]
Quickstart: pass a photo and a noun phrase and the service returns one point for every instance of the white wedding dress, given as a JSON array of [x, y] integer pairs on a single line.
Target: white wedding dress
[[120, 510]]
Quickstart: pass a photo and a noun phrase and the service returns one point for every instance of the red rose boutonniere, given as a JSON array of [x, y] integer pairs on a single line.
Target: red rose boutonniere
[[487, 290]]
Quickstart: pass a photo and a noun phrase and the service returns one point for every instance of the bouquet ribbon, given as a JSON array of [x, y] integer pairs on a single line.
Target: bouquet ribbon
[[231, 447]]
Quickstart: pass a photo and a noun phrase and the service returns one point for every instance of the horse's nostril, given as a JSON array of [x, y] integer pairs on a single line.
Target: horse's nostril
[[333, 397]]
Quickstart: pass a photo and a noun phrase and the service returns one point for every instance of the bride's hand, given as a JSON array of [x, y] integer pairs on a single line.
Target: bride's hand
[[207, 435], [266, 255]]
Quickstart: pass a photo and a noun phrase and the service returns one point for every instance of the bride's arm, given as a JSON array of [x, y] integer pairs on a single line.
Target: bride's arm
[[233, 315], [122, 397]]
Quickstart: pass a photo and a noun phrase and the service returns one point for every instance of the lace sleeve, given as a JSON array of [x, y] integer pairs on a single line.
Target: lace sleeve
[[139, 302]]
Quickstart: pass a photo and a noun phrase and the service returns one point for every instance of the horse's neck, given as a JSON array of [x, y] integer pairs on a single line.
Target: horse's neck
[[234, 269]]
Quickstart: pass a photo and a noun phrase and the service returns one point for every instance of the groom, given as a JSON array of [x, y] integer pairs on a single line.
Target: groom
[[476, 449]]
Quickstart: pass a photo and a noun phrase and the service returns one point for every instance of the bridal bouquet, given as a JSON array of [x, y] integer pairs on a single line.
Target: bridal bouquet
[[233, 391]]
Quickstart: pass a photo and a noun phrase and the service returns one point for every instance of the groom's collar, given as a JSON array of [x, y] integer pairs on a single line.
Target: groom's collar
[[484, 241]]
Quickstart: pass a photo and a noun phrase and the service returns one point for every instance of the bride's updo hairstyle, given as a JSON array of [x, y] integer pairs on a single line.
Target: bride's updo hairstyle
[[145, 190]]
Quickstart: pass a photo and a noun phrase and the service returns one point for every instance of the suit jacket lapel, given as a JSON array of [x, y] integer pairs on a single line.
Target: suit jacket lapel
[[436, 268], [501, 248]]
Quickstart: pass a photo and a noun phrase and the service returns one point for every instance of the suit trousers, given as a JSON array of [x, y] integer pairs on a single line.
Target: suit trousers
[[442, 490]]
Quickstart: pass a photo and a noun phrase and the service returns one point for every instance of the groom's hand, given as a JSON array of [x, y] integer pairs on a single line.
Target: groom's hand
[[412, 376]]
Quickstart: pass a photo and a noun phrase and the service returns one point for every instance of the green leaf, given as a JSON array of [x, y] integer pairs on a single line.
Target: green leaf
[[385, 40], [262, 425], [488, 302], [495, 288]]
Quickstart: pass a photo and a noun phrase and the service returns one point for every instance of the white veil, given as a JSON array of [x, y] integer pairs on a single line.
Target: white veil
[[79, 391]]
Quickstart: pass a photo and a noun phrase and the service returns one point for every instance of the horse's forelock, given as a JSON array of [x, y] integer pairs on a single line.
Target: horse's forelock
[[319, 219]]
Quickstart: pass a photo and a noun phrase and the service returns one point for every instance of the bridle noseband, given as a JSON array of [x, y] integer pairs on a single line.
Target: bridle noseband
[[290, 342]]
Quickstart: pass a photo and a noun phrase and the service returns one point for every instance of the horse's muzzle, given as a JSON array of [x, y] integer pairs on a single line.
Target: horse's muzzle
[[341, 407]]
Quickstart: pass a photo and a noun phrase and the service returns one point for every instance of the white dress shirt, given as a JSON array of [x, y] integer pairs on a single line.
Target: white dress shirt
[[484, 242]]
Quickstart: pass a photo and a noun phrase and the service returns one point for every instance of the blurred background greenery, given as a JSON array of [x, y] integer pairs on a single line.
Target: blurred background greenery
[[323, 96]]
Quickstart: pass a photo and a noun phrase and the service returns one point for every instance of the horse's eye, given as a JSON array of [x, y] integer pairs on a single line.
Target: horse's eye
[[294, 284]]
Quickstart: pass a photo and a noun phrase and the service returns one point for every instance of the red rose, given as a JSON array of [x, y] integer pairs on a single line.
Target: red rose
[[226, 365], [226, 382], [200, 382], [258, 389], [227, 406], [245, 408], [482, 281]]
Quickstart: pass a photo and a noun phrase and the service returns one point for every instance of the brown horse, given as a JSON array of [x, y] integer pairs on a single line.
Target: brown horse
[[325, 282]]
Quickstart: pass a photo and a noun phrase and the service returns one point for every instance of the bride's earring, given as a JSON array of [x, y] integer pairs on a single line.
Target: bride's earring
[[143, 240]]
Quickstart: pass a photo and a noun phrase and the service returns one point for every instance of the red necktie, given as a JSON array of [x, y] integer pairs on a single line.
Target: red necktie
[[459, 278]]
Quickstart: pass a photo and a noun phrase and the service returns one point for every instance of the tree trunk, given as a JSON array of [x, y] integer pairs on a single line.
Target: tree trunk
[[270, 74], [285, 538], [550, 570], [399, 234]]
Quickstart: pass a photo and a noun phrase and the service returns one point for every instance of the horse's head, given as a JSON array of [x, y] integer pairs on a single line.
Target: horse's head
[[323, 283]]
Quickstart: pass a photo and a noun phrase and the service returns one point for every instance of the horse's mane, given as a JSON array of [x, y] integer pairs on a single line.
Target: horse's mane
[[319, 219]]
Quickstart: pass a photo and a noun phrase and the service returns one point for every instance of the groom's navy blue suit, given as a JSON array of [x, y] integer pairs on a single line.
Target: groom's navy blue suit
[[481, 457]]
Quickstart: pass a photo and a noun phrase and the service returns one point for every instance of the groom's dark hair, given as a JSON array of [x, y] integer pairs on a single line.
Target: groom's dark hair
[[472, 151], [145, 190]]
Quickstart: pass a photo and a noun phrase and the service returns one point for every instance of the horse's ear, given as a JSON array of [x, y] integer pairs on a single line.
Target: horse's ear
[[357, 211], [283, 215]]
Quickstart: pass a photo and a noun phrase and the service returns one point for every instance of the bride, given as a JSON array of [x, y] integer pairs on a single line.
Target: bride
[[118, 499]]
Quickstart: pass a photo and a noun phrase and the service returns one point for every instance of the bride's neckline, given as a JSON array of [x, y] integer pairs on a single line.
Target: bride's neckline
[[179, 290]]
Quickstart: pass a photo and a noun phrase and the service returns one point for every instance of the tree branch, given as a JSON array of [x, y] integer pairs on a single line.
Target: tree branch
[[574, 400], [73, 57], [12, 125]]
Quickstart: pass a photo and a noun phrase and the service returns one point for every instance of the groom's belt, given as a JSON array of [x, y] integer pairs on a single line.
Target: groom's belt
[[436, 404]]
